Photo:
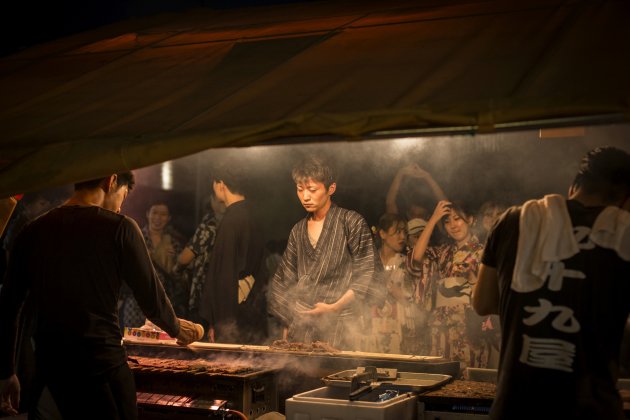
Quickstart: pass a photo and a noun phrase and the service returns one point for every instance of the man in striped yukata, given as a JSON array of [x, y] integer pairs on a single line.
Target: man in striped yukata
[[327, 267]]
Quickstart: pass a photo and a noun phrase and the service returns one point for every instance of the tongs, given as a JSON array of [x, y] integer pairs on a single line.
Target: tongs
[[365, 380]]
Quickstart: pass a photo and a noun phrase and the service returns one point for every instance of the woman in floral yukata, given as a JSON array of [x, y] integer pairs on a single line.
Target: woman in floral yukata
[[447, 275]]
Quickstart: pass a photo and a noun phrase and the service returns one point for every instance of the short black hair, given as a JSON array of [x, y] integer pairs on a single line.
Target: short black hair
[[123, 178], [314, 167], [232, 175], [158, 202], [387, 220], [605, 171], [462, 209]]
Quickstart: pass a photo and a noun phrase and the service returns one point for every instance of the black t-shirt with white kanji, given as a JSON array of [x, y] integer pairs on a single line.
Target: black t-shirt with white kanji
[[560, 343]]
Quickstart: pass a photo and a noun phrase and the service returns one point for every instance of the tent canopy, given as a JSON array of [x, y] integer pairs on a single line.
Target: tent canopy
[[144, 91]]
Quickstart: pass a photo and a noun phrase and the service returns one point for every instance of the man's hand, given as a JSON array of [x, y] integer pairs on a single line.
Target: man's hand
[[320, 308], [10, 395], [188, 332]]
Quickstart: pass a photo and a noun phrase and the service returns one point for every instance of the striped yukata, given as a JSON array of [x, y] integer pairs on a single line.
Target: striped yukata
[[342, 259]]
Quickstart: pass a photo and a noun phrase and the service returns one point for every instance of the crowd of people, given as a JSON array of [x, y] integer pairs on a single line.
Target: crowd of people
[[405, 286], [242, 290]]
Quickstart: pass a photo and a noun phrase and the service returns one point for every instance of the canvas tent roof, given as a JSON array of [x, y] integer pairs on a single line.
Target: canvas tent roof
[[144, 91]]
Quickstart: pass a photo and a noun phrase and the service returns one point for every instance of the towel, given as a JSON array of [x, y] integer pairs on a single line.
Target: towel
[[611, 230], [545, 236]]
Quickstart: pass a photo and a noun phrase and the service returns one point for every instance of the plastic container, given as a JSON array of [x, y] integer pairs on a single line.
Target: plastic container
[[331, 403]]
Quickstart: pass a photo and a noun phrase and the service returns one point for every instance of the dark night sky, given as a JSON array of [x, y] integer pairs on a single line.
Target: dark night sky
[[27, 23]]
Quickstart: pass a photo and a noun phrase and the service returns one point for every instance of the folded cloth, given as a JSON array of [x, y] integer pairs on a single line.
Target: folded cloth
[[611, 230], [545, 236], [244, 287], [188, 332]]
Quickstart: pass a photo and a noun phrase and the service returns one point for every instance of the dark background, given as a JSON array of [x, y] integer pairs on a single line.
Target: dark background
[[27, 23]]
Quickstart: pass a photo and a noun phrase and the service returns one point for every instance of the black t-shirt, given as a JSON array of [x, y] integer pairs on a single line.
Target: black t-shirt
[[73, 261], [238, 252], [560, 343]]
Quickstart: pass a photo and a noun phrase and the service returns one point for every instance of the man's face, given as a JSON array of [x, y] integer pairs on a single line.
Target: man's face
[[314, 195]]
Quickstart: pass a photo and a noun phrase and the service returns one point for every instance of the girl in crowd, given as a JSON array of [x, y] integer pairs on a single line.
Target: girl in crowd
[[393, 323], [164, 244], [448, 273]]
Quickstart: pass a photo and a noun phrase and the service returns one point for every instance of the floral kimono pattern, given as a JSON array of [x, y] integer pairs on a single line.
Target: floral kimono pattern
[[444, 290], [394, 324], [163, 259], [201, 245]]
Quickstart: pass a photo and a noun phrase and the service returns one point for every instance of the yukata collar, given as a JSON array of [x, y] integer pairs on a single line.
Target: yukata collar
[[469, 244]]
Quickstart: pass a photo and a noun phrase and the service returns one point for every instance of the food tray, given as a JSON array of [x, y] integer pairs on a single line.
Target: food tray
[[405, 381]]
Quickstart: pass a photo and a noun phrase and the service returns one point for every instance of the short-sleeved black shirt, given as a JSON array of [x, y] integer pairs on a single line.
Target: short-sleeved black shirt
[[560, 343]]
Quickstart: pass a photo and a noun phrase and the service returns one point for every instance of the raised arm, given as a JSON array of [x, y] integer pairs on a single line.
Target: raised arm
[[420, 248], [394, 189], [412, 170], [417, 172]]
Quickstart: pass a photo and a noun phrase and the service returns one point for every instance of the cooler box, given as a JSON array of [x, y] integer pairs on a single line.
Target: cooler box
[[331, 403]]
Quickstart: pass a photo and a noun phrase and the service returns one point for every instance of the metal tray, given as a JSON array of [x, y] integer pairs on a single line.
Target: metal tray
[[404, 381]]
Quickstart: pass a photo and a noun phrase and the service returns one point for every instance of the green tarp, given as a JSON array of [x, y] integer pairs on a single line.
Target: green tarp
[[145, 91]]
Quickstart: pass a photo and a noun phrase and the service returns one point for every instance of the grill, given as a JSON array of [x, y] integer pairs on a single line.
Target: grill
[[457, 400], [190, 388], [293, 372]]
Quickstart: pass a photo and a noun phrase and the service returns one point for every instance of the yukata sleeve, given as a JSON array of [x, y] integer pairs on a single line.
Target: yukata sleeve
[[422, 272], [361, 248], [138, 272], [477, 256], [204, 236], [284, 282]]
